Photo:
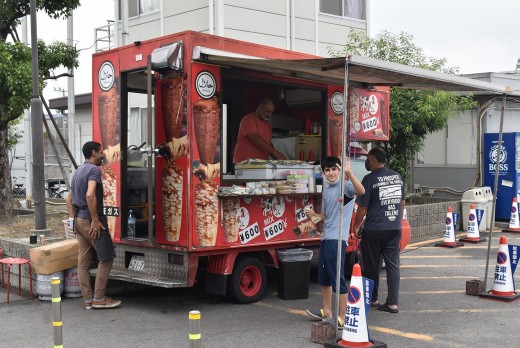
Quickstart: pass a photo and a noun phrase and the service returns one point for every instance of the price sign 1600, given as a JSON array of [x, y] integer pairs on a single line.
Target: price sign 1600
[[273, 229], [249, 233], [369, 124]]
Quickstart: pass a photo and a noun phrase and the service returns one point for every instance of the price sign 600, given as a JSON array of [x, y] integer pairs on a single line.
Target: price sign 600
[[249, 233], [274, 229]]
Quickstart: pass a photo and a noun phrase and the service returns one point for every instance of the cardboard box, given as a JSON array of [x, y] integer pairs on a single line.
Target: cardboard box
[[54, 257]]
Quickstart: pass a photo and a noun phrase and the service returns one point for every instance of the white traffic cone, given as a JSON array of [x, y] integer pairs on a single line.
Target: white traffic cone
[[514, 224], [504, 284], [449, 233], [355, 329], [473, 235]]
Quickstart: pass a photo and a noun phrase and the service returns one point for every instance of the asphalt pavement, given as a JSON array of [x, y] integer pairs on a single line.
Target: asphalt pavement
[[434, 311]]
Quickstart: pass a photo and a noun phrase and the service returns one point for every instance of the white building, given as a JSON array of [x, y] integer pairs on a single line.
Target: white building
[[451, 160], [310, 26]]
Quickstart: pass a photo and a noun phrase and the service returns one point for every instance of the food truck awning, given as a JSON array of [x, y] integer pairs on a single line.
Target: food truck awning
[[362, 72]]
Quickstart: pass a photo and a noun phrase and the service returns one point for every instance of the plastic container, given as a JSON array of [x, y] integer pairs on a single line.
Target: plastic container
[[69, 229], [476, 197], [131, 224], [71, 287], [488, 194], [294, 273], [44, 287]]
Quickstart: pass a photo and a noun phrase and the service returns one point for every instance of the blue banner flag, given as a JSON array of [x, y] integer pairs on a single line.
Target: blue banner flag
[[456, 217], [514, 256], [480, 214]]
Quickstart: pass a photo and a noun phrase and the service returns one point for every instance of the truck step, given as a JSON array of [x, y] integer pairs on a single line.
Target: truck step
[[139, 277]]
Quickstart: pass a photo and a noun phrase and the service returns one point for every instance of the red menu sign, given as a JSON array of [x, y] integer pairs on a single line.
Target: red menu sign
[[369, 110]]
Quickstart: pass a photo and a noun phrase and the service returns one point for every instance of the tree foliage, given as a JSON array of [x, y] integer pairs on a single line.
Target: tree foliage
[[413, 113], [16, 74]]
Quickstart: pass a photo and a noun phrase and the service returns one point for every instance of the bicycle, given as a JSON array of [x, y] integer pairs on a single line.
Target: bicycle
[[18, 189], [56, 192]]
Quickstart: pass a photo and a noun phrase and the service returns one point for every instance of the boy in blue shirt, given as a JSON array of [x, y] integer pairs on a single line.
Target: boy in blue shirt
[[331, 210]]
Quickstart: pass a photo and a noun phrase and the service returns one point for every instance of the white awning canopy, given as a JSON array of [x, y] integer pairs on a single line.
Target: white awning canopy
[[362, 72]]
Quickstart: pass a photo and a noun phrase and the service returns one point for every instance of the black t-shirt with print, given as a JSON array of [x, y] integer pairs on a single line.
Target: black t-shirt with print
[[384, 192]]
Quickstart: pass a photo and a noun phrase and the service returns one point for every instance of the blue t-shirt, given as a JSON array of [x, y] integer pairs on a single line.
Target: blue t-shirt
[[331, 209], [384, 192], [79, 185]]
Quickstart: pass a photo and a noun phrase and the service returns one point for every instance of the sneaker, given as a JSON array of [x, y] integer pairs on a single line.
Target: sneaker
[[316, 314], [87, 304], [108, 302]]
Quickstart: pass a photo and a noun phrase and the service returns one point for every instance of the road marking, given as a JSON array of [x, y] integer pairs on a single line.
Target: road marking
[[435, 277], [411, 335], [434, 292], [433, 256], [439, 266]]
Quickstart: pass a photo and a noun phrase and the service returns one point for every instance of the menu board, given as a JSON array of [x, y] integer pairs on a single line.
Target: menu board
[[369, 110]]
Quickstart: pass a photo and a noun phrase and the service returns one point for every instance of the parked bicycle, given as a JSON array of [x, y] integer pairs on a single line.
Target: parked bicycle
[[56, 188], [18, 187]]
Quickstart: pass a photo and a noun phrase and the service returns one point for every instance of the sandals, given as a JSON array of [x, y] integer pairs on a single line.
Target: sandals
[[386, 308], [316, 314], [374, 304]]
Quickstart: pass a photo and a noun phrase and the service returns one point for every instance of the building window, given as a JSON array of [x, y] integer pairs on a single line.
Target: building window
[[344, 8], [147, 6], [137, 8]]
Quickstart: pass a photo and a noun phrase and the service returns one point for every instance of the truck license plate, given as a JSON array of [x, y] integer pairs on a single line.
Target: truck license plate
[[136, 263]]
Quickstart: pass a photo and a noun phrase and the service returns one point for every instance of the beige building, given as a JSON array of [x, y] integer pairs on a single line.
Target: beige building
[[310, 26]]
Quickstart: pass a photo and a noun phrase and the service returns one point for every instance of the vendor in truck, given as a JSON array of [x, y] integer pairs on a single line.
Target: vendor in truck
[[254, 135]]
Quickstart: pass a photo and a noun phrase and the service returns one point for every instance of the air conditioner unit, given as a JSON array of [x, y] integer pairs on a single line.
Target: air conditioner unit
[[298, 98]]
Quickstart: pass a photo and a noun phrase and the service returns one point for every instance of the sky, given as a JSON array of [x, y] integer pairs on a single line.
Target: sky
[[474, 35]]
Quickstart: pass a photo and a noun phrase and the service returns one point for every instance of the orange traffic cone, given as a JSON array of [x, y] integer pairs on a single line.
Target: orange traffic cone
[[473, 227], [514, 224], [355, 329], [449, 233], [503, 285]]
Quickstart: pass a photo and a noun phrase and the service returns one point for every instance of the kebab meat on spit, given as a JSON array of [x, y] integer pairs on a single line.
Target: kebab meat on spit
[[206, 121]]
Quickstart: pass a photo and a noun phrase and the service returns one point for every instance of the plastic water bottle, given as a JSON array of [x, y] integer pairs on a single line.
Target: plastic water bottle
[[131, 225]]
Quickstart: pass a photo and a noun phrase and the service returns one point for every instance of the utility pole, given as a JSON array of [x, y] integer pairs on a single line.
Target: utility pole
[[40, 218]]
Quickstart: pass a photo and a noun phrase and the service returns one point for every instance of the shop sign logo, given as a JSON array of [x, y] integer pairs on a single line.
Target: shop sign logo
[[106, 76], [494, 158], [205, 84], [337, 103]]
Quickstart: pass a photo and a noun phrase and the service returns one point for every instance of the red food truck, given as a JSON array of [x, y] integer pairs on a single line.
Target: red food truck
[[167, 113]]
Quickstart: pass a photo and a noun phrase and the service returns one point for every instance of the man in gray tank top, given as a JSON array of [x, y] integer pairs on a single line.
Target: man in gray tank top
[[85, 204]]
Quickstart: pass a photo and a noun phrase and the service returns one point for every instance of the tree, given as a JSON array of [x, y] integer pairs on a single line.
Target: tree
[[413, 113], [16, 74]]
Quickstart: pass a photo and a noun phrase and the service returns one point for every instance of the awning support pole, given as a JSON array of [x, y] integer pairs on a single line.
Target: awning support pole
[[495, 188]]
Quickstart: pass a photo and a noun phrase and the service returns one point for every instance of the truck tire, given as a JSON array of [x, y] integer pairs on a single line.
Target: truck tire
[[248, 281]]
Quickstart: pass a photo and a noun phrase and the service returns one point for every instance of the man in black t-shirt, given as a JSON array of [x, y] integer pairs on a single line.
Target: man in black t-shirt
[[383, 204]]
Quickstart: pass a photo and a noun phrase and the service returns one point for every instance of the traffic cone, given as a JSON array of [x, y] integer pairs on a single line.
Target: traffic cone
[[473, 235], [514, 224], [504, 284], [449, 233], [355, 329]]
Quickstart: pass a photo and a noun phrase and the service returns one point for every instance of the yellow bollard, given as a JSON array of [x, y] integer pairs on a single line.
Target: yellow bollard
[[56, 312], [195, 335]]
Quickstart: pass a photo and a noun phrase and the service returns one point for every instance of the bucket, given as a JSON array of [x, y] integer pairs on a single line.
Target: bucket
[[69, 231], [72, 288], [43, 285]]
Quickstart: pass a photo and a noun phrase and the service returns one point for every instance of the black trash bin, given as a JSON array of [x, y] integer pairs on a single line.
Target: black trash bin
[[293, 274]]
